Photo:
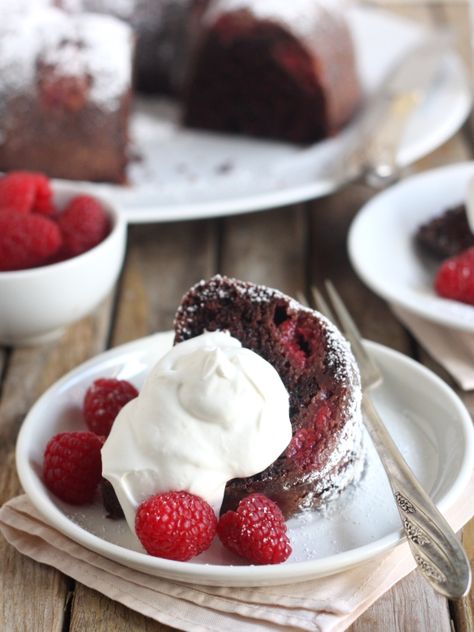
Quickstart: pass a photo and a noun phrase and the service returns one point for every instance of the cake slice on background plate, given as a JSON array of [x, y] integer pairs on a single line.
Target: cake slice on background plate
[[447, 234], [65, 92], [273, 69]]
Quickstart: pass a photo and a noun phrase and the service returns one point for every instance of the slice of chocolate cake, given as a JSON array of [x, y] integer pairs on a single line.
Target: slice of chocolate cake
[[317, 367], [447, 234], [65, 91], [273, 69]]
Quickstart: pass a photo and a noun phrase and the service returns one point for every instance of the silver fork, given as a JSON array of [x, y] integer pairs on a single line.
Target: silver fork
[[434, 546]]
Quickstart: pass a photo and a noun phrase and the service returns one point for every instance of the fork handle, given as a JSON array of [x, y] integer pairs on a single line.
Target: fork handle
[[435, 547]]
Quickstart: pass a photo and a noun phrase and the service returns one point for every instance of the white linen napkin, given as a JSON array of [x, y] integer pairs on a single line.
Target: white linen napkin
[[452, 348], [328, 604]]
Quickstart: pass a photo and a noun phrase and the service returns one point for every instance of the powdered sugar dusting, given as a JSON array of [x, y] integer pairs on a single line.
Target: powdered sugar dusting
[[121, 8], [284, 10], [299, 15], [85, 46], [339, 356]]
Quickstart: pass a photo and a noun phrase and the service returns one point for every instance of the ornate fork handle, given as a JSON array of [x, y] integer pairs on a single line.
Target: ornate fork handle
[[436, 549]]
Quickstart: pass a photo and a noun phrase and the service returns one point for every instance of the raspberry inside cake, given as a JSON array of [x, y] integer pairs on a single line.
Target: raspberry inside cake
[[317, 368]]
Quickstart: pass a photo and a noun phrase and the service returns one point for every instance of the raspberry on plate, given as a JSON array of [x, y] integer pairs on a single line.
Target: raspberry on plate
[[84, 223], [175, 525], [256, 531], [455, 277], [104, 400], [72, 466], [25, 191], [27, 240]]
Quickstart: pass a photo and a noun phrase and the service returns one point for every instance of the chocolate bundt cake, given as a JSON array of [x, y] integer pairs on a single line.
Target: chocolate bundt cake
[[317, 367], [65, 90], [446, 235], [165, 31], [270, 68], [273, 68]]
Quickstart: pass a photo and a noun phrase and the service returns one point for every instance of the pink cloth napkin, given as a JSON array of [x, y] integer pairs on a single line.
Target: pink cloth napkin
[[452, 348], [328, 604]]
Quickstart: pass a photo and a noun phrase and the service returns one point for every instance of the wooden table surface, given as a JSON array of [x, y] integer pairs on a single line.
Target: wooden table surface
[[288, 248]]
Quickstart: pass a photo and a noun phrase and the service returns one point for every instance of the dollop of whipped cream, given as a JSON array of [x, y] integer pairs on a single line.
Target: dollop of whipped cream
[[208, 412]]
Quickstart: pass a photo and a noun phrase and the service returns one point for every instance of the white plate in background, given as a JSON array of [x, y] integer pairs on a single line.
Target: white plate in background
[[427, 420], [187, 174], [382, 249]]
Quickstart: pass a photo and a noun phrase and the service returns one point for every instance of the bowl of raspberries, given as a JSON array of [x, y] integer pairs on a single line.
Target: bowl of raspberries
[[61, 251]]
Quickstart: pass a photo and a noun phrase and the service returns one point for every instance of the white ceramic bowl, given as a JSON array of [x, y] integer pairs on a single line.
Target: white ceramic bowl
[[36, 304]]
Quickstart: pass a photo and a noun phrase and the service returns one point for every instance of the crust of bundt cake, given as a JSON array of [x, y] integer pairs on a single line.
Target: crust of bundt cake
[[318, 369]]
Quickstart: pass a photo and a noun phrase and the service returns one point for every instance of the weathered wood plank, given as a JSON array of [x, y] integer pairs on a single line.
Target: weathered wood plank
[[406, 608], [163, 261], [33, 597], [92, 611], [328, 258], [268, 249]]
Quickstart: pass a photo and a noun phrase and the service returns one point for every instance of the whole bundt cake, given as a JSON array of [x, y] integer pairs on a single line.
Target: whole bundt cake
[[317, 368]]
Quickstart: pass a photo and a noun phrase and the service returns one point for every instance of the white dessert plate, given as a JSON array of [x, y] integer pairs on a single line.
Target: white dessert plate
[[427, 420], [383, 252], [185, 174]]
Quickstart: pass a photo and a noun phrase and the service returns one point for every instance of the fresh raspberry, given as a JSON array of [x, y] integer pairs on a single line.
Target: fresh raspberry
[[103, 402], [27, 240], [17, 193], [84, 224], [175, 525], [455, 277], [24, 191], [72, 466], [256, 531], [43, 202]]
